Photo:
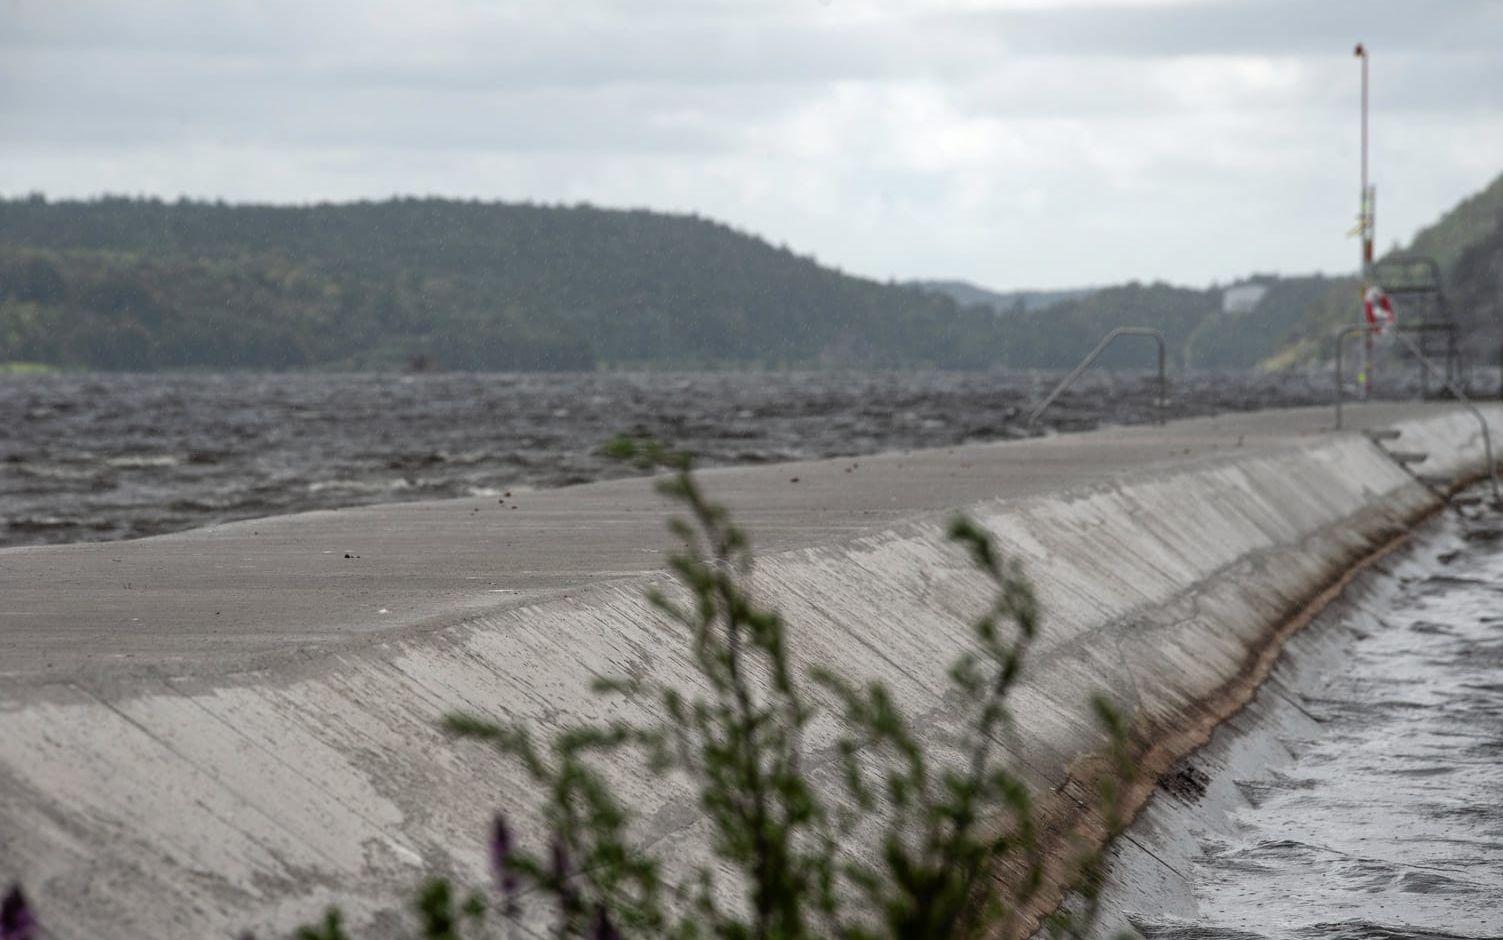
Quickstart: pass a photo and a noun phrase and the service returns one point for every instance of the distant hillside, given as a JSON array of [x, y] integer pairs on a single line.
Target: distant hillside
[[140, 284], [1246, 340], [1464, 241], [1473, 220], [1476, 292], [143, 284], [1468, 243], [966, 293], [1058, 336]]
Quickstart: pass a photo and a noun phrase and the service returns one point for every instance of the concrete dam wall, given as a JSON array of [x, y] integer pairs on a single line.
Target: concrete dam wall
[[1355, 794], [234, 727]]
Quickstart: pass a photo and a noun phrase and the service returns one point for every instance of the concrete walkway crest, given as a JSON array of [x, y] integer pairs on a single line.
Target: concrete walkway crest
[[247, 594]]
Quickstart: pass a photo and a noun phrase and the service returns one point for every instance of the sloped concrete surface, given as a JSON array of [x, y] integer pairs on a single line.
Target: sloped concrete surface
[[1352, 796], [230, 728]]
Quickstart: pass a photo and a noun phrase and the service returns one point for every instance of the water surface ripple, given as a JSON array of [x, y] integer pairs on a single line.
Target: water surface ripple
[[90, 457], [1389, 821]]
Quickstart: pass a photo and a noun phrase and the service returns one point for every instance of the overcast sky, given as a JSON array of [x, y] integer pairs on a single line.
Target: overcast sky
[[1015, 144]]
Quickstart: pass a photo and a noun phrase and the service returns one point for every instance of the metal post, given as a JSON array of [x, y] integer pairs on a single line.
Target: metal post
[[1340, 346], [1163, 381], [1365, 224], [1361, 53], [1453, 357], [1487, 438]]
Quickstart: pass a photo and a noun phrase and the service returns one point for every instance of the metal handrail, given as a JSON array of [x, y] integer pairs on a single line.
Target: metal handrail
[[1487, 438], [1453, 359], [1425, 364], [1341, 336], [1096, 353]]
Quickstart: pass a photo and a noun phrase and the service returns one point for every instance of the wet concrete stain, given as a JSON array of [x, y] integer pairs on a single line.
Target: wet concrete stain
[[1187, 782]]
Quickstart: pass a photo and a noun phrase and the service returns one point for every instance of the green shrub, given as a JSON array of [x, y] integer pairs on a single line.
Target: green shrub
[[798, 853]]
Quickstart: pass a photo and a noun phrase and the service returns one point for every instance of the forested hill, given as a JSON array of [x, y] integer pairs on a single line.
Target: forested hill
[[140, 284], [1027, 301], [1466, 241], [143, 284], [1473, 221]]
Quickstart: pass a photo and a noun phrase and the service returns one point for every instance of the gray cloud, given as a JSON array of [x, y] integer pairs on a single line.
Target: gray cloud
[[1242, 27], [1034, 144]]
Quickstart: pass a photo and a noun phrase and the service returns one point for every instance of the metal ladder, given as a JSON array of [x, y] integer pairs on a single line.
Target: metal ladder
[[1436, 483], [1407, 459]]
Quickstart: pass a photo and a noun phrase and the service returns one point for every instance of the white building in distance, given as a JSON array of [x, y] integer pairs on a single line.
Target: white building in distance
[[1242, 298]]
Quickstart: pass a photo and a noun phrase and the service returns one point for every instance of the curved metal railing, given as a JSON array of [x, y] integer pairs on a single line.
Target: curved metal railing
[[1085, 364], [1450, 384]]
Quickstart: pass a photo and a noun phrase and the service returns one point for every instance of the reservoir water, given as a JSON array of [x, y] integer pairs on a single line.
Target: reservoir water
[[91, 457], [1378, 811]]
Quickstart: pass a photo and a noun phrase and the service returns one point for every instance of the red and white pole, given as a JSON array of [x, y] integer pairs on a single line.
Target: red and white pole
[[1365, 221]]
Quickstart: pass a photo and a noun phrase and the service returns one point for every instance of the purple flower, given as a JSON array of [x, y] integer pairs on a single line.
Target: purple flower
[[16, 920], [604, 929], [506, 875]]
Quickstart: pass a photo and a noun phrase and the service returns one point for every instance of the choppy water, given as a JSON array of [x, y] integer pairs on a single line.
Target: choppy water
[[1389, 821], [120, 456]]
